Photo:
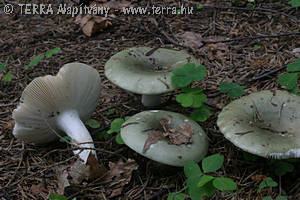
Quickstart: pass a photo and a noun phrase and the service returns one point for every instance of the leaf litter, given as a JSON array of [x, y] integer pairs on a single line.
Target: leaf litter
[[174, 135], [118, 175]]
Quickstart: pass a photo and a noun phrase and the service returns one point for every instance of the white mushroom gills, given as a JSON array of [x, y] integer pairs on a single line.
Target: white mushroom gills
[[53, 105]]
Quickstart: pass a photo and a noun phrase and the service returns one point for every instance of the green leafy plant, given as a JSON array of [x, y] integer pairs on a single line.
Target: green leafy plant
[[200, 184], [8, 76], [2, 66], [110, 111], [233, 90], [65, 139], [191, 97], [289, 80], [48, 54], [57, 197], [34, 62], [92, 123], [257, 46], [295, 3], [269, 183], [115, 127], [51, 52]]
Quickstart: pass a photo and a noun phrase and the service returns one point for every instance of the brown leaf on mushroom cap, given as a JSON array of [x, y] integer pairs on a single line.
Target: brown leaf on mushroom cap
[[152, 139], [182, 135]]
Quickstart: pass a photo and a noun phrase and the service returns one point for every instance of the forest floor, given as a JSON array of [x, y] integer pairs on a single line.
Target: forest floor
[[30, 172]]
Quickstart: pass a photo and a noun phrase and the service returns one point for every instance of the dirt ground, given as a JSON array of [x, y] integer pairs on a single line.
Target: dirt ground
[[29, 172]]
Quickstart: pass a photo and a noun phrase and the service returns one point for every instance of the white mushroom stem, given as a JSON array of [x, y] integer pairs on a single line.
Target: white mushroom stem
[[69, 122], [151, 100]]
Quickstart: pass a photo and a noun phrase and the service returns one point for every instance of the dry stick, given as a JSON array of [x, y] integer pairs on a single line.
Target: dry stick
[[253, 9], [267, 73], [250, 38]]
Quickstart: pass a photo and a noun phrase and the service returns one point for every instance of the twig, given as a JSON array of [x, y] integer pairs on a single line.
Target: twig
[[249, 38], [252, 9], [267, 73]]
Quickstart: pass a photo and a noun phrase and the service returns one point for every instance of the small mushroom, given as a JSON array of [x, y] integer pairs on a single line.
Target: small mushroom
[[53, 105], [265, 123], [146, 71], [166, 137]]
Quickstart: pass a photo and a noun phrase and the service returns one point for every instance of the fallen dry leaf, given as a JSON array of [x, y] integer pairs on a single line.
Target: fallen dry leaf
[[213, 51], [92, 24], [119, 175], [174, 135], [38, 189], [152, 139], [258, 178], [78, 172]]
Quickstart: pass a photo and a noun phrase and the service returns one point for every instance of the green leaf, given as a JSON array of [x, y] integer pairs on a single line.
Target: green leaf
[[7, 77], [205, 179], [115, 126], [57, 197], [110, 111], [212, 163], [281, 168], [294, 67], [92, 123], [103, 135], [192, 97], [295, 3], [257, 47], [65, 139], [281, 197], [224, 184], [267, 198], [201, 114], [199, 6], [34, 62], [270, 182], [119, 139], [51, 52], [262, 185], [191, 169], [295, 91], [188, 73], [231, 89], [197, 193], [288, 80], [176, 196], [2, 66], [127, 118]]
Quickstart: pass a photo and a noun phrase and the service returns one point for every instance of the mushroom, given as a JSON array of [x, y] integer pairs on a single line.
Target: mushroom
[[146, 71], [166, 137], [51, 105], [265, 123]]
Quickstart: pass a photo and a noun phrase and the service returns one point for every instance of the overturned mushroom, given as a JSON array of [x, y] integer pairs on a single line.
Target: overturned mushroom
[[146, 71], [265, 123], [52, 105], [166, 137]]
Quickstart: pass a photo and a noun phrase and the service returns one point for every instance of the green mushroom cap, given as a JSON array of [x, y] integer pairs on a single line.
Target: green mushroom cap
[[136, 132], [141, 71], [265, 123]]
